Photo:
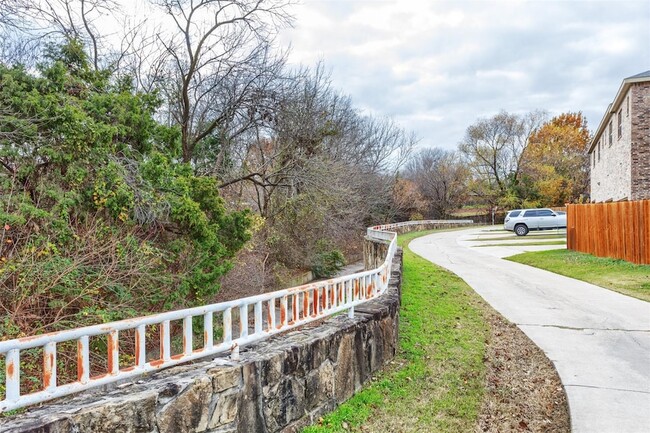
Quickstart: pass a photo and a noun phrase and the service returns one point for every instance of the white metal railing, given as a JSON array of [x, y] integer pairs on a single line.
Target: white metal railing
[[226, 327], [395, 226]]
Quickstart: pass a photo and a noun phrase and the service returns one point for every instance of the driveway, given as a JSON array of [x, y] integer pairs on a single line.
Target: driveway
[[599, 340]]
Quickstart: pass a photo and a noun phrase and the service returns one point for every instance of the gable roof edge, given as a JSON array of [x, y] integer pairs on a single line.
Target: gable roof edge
[[613, 106]]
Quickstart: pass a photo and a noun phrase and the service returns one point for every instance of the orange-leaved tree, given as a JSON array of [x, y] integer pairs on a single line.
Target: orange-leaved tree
[[555, 162]]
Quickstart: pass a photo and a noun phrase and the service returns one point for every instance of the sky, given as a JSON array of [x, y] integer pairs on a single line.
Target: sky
[[437, 66]]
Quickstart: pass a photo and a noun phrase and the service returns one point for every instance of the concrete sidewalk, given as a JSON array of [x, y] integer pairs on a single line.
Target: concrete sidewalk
[[599, 340]]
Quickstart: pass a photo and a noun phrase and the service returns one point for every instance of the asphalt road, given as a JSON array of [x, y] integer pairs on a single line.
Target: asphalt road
[[598, 340]]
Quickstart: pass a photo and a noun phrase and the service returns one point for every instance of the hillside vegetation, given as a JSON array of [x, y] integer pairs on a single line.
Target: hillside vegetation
[[138, 168]]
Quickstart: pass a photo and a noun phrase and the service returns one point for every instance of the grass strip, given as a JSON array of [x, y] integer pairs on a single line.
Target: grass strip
[[513, 236], [523, 244], [437, 380], [617, 275]]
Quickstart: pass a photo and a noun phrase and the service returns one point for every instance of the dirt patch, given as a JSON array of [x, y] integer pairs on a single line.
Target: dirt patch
[[523, 390]]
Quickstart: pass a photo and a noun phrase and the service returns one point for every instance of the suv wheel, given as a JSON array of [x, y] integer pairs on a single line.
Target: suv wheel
[[521, 230]]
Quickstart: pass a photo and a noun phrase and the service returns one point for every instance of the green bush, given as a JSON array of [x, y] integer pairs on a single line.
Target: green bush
[[99, 220], [327, 263]]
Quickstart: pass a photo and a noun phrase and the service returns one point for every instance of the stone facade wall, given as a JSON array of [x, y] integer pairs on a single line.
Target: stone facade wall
[[611, 165], [279, 385], [640, 101]]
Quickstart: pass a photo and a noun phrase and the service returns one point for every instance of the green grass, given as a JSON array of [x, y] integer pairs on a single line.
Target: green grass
[[513, 237], [618, 275], [436, 382], [523, 244]]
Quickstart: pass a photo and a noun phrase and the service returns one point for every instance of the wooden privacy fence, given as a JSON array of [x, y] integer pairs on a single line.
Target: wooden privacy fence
[[620, 230]]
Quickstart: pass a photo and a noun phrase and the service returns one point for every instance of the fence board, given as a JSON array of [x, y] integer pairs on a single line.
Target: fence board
[[619, 230]]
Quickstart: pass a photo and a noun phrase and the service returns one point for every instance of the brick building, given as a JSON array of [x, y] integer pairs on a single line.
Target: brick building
[[620, 150]]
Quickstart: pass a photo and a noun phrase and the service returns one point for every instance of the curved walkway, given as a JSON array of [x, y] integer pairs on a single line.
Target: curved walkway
[[599, 340]]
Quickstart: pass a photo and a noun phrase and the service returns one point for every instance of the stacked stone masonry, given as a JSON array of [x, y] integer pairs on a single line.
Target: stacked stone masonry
[[640, 179], [279, 385]]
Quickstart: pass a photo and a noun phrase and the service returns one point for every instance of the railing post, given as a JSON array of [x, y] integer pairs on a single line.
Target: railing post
[[187, 335], [284, 305], [83, 360], [259, 321], [323, 300], [140, 346], [208, 331], [12, 368], [305, 305], [113, 352], [294, 307], [165, 341], [243, 321], [49, 366], [350, 297], [227, 325], [271, 314]]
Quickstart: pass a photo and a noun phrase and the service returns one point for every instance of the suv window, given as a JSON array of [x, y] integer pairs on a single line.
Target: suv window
[[530, 213], [545, 212], [514, 213]]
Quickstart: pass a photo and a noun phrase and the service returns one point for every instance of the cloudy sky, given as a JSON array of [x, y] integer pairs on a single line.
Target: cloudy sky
[[436, 66]]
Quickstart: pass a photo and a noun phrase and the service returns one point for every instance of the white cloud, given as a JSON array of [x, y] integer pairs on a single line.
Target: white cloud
[[436, 66]]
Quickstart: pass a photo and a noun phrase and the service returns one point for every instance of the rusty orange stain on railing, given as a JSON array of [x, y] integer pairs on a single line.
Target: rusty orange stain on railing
[[48, 367], [323, 302], [305, 305], [80, 363], [269, 325], [138, 343], [283, 315], [294, 303], [112, 348]]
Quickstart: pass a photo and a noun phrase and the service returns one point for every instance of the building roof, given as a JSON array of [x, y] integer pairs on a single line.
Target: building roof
[[645, 74], [618, 99]]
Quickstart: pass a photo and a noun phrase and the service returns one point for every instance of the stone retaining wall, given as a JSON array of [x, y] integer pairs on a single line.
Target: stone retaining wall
[[374, 251], [430, 226], [279, 385]]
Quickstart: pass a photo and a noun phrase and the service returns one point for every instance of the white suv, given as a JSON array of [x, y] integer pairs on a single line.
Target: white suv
[[521, 221]]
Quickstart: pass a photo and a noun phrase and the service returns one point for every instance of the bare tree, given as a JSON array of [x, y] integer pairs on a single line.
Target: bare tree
[[34, 21], [493, 149], [442, 179], [212, 45], [314, 126]]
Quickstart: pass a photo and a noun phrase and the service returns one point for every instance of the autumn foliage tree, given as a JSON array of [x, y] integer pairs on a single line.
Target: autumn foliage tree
[[492, 149], [409, 202], [555, 164]]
